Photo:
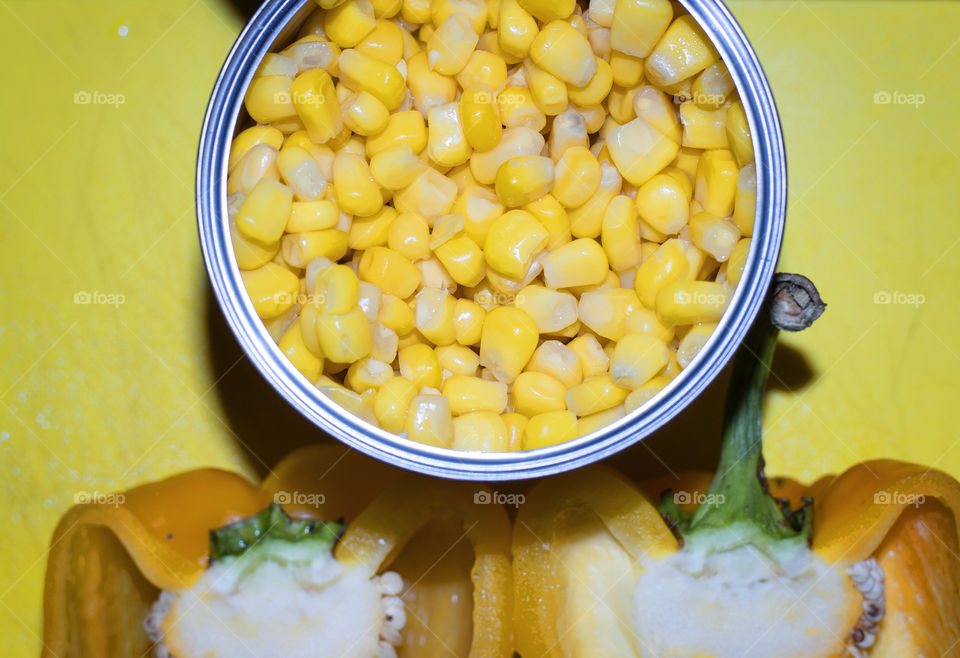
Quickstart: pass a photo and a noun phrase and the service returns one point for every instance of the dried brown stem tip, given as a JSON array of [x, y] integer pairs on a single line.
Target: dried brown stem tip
[[794, 303]]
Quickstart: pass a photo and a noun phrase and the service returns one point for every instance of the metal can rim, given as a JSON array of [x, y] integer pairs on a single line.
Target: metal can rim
[[226, 102]]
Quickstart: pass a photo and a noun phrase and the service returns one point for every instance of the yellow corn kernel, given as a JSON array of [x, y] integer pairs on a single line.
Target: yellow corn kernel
[[512, 242], [484, 70], [296, 351], [515, 424], [524, 179], [737, 261], [459, 360], [664, 203], [514, 142], [463, 259], [636, 359], [577, 177], [690, 302], [468, 319], [578, 263], [479, 208], [250, 138], [683, 52], [356, 191], [259, 162], [392, 402], [550, 428], [433, 315], [396, 167], [435, 275], [349, 22], [250, 254], [594, 395], [549, 92], [586, 221], [449, 47], [506, 289], [516, 29], [481, 430], [419, 364], [362, 72], [337, 289], [593, 360], [358, 404], [715, 235], [552, 216], [384, 43], [385, 340], [519, 109], [536, 393], [390, 271], [415, 11], [620, 108], [716, 182], [642, 320], [711, 88], [428, 87], [344, 337], [569, 129], [462, 177], [308, 329], [738, 134], [315, 100], [474, 10], [551, 310], [562, 51], [549, 10], [627, 70], [599, 37], [313, 51], [668, 263], [366, 232], [268, 98], [263, 214], [703, 129], [654, 107], [409, 236], [395, 314], [431, 194], [605, 310], [640, 151], [693, 341], [429, 420], [745, 203], [593, 117], [368, 373], [364, 114], [469, 394], [637, 25], [619, 234], [480, 118], [596, 89], [446, 143], [644, 393], [301, 173], [507, 342], [403, 128], [599, 420]]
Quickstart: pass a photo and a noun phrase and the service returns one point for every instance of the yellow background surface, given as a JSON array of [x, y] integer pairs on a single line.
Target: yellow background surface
[[97, 198]]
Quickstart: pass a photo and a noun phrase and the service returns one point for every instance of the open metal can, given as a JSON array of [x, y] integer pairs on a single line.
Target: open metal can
[[276, 24]]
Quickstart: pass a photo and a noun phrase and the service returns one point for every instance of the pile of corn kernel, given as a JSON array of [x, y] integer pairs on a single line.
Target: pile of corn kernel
[[492, 224]]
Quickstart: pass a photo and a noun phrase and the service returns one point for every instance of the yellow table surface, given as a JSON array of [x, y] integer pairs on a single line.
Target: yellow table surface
[[97, 199]]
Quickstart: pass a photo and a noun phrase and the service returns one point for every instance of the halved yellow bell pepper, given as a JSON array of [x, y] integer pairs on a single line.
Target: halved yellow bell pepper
[[109, 560], [595, 561]]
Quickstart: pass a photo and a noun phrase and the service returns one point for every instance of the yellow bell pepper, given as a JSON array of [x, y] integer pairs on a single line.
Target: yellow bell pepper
[[111, 559], [740, 566]]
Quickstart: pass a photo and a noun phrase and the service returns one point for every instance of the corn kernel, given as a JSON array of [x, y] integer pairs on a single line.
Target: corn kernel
[[693, 341], [593, 360], [745, 203], [385, 42], [636, 359], [392, 402], [349, 22], [316, 104], [516, 29], [715, 235], [703, 129], [552, 216], [250, 138], [578, 263], [637, 25], [469, 394], [668, 263], [619, 233], [551, 310], [301, 173], [337, 289], [368, 373], [458, 360], [550, 428], [586, 221], [364, 114], [372, 231], [664, 203], [536, 393], [362, 72], [577, 177], [446, 143], [259, 162], [594, 395], [480, 117], [711, 88], [593, 422], [433, 315], [716, 182], [429, 420], [515, 142], [481, 430], [689, 302], [409, 236], [390, 271], [507, 342], [549, 92], [640, 151], [518, 109], [524, 179], [605, 310], [738, 260], [419, 364], [356, 191], [468, 318], [738, 134], [431, 194], [268, 99], [396, 167], [654, 107], [435, 275], [263, 214], [449, 48], [403, 128], [559, 49], [395, 314], [512, 242], [515, 424], [345, 337], [463, 259], [415, 11], [428, 87], [474, 10], [596, 89], [644, 393], [294, 348], [479, 208], [385, 342], [569, 129], [250, 254], [683, 52], [627, 70]]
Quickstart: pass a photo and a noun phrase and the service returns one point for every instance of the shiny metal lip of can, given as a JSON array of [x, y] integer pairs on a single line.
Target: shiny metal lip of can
[[275, 23]]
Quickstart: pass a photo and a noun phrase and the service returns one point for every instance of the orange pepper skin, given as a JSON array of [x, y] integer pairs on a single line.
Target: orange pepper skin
[[107, 561]]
